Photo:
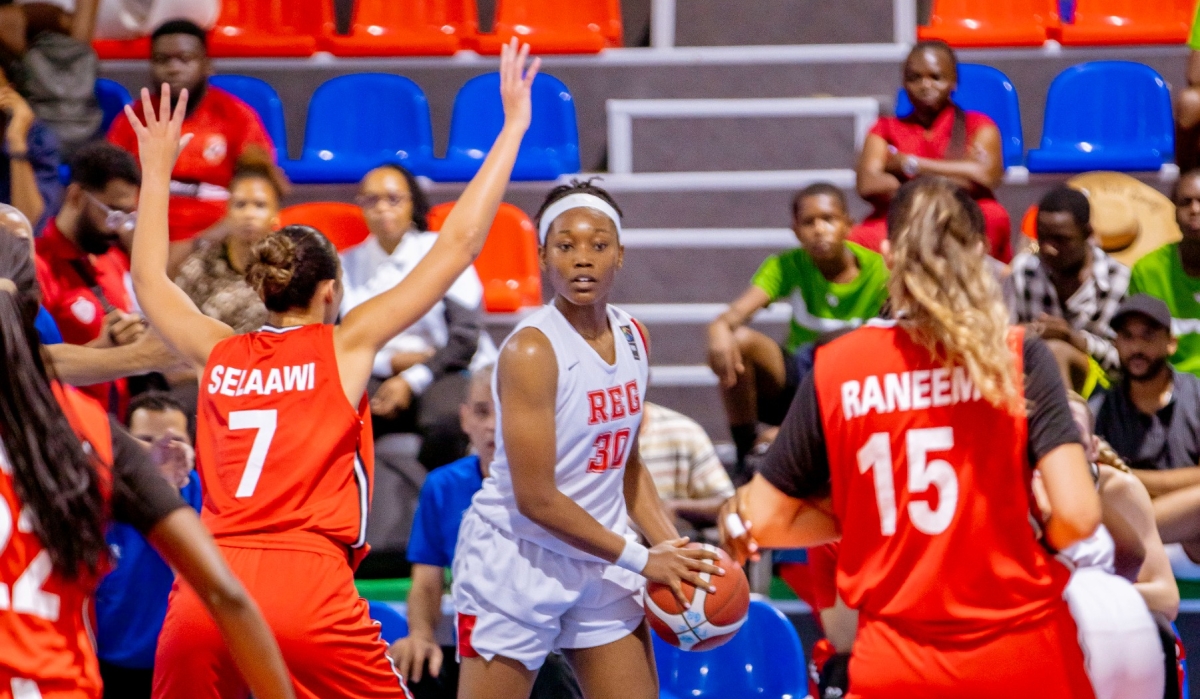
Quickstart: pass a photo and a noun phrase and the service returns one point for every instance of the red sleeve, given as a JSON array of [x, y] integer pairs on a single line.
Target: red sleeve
[[976, 121], [883, 128], [121, 133], [253, 131]]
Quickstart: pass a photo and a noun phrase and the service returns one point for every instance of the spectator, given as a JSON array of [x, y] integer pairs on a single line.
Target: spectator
[[80, 272], [1068, 291], [29, 171], [1172, 273], [1187, 106], [832, 284], [418, 380], [681, 458], [131, 601], [938, 138], [223, 127], [431, 668], [214, 276]]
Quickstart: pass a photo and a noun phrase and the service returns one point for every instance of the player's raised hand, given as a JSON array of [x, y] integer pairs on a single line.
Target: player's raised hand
[[516, 83], [672, 565], [735, 529], [159, 137]]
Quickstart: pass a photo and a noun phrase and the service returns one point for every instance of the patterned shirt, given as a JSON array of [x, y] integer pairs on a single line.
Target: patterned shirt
[[1090, 308], [220, 291], [680, 456]]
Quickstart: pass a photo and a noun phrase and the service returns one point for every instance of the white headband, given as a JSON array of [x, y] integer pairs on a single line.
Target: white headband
[[576, 201]]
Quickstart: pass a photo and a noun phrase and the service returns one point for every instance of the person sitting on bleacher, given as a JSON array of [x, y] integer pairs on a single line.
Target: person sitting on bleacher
[[29, 158], [222, 128], [938, 138], [680, 456], [831, 283], [419, 378], [430, 668]]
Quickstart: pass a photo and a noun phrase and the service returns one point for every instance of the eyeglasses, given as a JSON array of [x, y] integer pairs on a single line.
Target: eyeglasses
[[114, 220], [370, 201]]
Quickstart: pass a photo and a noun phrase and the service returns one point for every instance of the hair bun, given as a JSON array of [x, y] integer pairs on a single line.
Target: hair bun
[[273, 266]]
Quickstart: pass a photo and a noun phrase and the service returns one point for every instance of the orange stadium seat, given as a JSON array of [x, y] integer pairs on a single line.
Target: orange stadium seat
[[554, 26], [1107, 22], [343, 224], [265, 28], [508, 265], [410, 28], [990, 23]]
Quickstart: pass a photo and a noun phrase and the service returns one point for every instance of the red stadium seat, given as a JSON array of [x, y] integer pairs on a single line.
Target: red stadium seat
[[992, 23], [508, 265], [555, 26], [1108, 22], [343, 224], [266, 28], [409, 28], [108, 49]]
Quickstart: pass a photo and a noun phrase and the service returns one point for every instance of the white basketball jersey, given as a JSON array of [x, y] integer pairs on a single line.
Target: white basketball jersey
[[598, 411]]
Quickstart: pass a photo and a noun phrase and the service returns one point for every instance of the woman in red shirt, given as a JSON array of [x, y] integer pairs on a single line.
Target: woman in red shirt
[[938, 138]]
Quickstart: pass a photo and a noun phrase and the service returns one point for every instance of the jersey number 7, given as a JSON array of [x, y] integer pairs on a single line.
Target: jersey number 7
[[923, 474], [264, 422]]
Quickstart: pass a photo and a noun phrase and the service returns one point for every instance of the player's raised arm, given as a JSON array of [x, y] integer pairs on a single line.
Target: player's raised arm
[[181, 324]]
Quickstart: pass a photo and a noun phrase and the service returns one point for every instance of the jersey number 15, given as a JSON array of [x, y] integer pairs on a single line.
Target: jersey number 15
[[923, 474]]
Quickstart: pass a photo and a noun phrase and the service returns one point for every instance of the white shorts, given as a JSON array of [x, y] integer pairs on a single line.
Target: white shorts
[[1119, 637], [518, 600]]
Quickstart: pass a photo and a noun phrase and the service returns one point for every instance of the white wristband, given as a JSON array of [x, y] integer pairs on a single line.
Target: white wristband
[[634, 557]]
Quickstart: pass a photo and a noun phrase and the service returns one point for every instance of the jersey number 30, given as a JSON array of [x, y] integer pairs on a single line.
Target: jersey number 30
[[923, 474], [264, 422]]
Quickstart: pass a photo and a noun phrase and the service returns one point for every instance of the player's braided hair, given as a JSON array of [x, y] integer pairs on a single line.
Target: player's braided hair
[[946, 297], [575, 187]]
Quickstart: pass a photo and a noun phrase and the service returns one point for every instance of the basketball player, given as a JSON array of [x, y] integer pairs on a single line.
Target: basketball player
[[545, 558], [912, 440], [65, 469], [284, 436]]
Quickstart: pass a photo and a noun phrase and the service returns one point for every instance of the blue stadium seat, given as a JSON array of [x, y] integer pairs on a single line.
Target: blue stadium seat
[[393, 625], [112, 98], [550, 148], [359, 122], [763, 660], [263, 99], [1106, 115], [985, 89]]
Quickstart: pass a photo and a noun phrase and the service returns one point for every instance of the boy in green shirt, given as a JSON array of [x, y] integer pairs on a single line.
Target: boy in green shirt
[[831, 283], [1172, 273]]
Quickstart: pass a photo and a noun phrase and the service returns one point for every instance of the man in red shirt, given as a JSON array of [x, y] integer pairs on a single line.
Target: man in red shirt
[[81, 272], [222, 125]]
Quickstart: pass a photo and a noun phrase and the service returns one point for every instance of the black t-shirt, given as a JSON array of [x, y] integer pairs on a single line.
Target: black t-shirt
[[798, 463], [141, 497]]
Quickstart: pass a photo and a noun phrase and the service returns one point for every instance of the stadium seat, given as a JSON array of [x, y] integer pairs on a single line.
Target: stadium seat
[[358, 122], [112, 98], [392, 624], [410, 28], [113, 49], [554, 26], [988, 23], [508, 264], [763, 660], [342, 223], [263, 99], [1106, 115], [1109, 22], [985, 89], [267, 28], [550, 148]]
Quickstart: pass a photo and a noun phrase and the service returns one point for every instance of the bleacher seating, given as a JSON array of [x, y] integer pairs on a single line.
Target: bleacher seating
[[360, 121], [763, 660], [112, 98], [263, 99], [550, 148], [392, 624], [985, 89], [508, 264], [342, 223], [267, 28], [1106, 115], [1108, 22], [409, 28], [554, 26], [971, 23]]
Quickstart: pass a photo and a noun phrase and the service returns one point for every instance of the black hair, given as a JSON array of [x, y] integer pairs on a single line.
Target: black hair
[[255, 163], [289, 264], [1194, 172], [100, 162], [1072, 201], [576, 187], [934, 45], [155, 401], [420, 202], [818, 189], [181, 26], [898, 210], [54, 477]]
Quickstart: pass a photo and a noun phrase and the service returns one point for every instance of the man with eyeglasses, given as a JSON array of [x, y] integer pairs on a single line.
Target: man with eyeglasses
[[81, 269]]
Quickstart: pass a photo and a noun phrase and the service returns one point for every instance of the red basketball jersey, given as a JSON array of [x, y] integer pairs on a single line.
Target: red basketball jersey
[[281, 453], [932, 487]]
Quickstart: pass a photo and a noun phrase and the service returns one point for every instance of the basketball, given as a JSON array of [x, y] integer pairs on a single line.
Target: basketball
[[714, 617]]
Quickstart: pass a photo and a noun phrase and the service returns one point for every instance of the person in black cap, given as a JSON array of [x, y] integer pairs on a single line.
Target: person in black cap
[[1152, 418]]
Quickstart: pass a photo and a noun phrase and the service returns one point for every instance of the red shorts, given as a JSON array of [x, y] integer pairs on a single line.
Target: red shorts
[[330, 645], [1039, 660]]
